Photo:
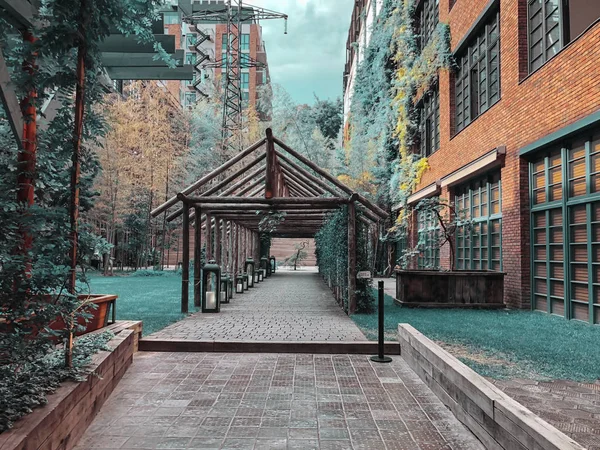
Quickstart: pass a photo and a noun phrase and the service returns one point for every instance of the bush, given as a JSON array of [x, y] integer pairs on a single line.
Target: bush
[[25, 386], [147, 273]]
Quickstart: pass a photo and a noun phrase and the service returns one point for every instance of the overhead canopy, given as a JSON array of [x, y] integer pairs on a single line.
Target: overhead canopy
[[269, 176]]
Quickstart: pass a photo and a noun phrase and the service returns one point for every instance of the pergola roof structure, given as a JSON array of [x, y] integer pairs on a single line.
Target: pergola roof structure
[[267, 176]]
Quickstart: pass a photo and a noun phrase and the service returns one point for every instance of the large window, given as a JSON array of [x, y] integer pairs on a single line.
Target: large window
[[190, 98], [478, 245], [245, 43], [429, 240], [478, 76], [427, 19], [190, 58], [429, 123], [245, 81], [554, 23], [171, 18], [191, 40], [565, 199]]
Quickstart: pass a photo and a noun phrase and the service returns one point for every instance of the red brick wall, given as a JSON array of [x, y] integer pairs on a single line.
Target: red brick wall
[[564, 90]]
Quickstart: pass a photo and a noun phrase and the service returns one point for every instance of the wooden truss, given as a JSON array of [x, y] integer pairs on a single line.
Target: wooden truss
[[229, 203]]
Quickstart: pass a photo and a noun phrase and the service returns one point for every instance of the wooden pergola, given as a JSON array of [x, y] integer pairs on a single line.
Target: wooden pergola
[[233, 198]]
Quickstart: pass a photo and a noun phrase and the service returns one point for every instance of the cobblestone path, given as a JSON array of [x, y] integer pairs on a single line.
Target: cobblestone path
[[288, 306], [271, 401]]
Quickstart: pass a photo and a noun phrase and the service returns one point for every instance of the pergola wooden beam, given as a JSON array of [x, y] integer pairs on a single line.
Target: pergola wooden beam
[[366, 203], [314, 201], [205, 179], [304, 182]]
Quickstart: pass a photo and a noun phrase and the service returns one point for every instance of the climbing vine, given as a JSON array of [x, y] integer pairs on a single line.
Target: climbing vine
[[332, 258]]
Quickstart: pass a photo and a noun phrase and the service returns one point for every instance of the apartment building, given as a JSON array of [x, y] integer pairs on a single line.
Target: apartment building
[[204, 46], [512, 135]]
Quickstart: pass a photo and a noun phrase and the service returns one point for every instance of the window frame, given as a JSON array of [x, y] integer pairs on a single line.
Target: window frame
[[429, 228], [562, 42], [429, 122], [473, 61], [427, 18]]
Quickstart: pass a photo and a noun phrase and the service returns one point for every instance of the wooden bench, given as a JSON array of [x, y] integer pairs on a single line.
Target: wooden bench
[[119, 325]]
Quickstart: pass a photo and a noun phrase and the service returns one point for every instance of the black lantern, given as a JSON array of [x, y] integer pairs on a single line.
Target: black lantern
[[261, 275], [264, 266], [230, 281], [211, 287], [273, 262], [256, 276], [245, 281], [223, 297], [239, 284], [250, 271]]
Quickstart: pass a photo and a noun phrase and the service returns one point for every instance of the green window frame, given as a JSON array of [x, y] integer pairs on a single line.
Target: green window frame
[[477, 79], [479, 244], [428, 17], [429, 240], [190, 58], [245, 42], [429, 123], [190, 98], [245, 81], [191, 39], [565, 230], [171, 18], [545, 31]]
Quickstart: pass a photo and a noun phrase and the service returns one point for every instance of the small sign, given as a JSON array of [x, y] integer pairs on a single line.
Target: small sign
[[364, 275]]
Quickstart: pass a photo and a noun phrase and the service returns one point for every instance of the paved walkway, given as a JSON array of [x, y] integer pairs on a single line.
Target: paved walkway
[[573, 408], [288, 306], [271, 401]]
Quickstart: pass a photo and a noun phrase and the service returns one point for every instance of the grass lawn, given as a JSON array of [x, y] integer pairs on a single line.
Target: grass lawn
[[154, 299], [501, 343]]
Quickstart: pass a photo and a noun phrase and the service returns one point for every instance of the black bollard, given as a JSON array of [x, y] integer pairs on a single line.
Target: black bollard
[[381, 358]]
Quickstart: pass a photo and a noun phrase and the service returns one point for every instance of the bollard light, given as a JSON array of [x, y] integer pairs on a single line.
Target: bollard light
[[245, 281], [250, 271], [239, 284], [256, 277], [211, 287], [261, 275], [273, 264]]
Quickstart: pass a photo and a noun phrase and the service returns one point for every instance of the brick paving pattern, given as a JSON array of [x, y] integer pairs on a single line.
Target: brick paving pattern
[[289, 306], [271, 401], [573, 408]]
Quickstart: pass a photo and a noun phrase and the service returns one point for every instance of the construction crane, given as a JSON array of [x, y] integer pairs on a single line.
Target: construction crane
[[233, 13]]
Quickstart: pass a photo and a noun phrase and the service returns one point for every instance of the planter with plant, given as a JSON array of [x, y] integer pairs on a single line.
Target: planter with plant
[[429, 286]]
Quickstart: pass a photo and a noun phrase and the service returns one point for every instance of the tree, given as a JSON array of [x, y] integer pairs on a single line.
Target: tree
[[298, 256], [329, 117]]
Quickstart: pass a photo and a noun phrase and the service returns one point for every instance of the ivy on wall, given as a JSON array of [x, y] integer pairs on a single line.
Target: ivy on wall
[[383, 119], [332, 258]]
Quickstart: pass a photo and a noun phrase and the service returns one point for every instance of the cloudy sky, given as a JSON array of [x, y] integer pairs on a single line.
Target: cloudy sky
[[310, 59]]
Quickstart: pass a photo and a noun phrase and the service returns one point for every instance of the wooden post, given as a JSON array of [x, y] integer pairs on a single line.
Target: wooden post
[[351, 258], [185, 268], [225, 246], [271, 179], [209, 249], [197, 256], [218, 242]]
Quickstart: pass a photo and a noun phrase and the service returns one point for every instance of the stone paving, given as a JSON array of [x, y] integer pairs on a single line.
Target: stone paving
[[273, 401], [288, 306], [573, 408]]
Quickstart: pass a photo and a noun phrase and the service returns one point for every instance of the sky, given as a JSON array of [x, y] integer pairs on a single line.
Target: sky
[[310, 59]]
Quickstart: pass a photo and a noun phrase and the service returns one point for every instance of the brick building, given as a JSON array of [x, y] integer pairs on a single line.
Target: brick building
[[512, 135], [203, 44]]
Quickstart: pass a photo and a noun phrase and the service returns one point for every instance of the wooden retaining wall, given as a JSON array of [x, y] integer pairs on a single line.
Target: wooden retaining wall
[[497, 420], [60, 424]]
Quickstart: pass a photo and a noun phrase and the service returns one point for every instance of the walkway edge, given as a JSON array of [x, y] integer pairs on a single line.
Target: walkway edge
[[497, 420], [309, 347]]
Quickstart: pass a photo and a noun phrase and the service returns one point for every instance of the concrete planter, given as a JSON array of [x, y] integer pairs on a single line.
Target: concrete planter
[[457, 289]]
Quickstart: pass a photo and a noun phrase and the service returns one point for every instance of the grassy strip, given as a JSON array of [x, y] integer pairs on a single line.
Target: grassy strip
[[529, 342], [156, 300]]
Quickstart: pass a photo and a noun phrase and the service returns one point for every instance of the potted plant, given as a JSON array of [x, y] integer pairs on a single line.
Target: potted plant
[[431, 286]]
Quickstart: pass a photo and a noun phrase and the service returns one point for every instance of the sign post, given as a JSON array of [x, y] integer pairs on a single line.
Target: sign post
[[381, 358]]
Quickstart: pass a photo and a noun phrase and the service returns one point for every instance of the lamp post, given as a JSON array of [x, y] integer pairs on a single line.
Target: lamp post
[[250, 271], [211, 287]]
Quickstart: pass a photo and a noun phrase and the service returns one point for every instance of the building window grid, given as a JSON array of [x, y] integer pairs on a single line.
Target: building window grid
[[191, 40], [567, 252], [427, 21], [245, 43], [429, 123], [429, 239], [477, 82], [545, 31], [479, 247]]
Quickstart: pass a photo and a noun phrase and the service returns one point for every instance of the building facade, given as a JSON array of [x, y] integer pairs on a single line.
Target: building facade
[[512, 136], [204, 46]]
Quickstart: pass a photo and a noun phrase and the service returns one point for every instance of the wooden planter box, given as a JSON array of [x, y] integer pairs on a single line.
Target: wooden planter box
[[105, 305], [458, 289]]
